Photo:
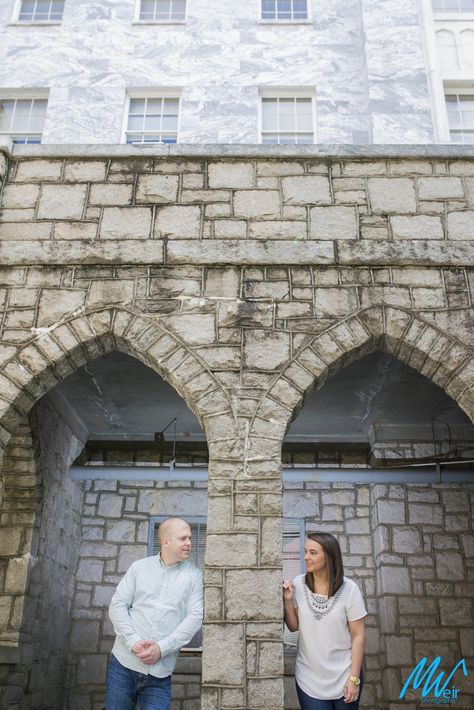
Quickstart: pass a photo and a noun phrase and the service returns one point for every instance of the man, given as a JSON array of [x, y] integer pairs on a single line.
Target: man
[[156, 609]]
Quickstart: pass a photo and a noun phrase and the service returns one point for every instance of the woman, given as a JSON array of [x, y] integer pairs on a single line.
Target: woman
[[328, 611]]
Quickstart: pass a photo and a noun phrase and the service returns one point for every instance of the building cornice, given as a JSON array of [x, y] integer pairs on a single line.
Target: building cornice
[[239, 151]]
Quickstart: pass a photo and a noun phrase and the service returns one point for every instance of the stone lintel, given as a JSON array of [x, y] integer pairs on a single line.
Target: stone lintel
[[87, 251], [238, 151], [239, 252]]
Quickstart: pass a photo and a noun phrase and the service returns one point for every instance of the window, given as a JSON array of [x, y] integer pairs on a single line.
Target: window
[[153, 120], [41, 11], [447, 49], [162, 10], [287, 120], [466, 48], [198, 547], [22, 119], [460, 108], [453, 6], [285, 10]]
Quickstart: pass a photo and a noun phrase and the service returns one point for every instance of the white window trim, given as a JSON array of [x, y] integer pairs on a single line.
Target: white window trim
[[453, 17], [287, 92], [41, 95], [152, 93], [138, 21], [459, 88], [435, 80], [28, 23], [308, 21], [462, 72]]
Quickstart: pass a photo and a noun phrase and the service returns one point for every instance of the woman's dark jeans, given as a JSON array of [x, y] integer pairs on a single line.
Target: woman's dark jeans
[[309, 703]]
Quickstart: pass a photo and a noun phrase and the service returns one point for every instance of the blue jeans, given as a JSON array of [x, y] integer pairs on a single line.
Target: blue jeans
[[309, 703], [127, 690]]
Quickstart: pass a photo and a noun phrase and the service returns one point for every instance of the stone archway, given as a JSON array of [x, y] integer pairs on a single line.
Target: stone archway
[[434, 353], [410, 526], [60, 350]]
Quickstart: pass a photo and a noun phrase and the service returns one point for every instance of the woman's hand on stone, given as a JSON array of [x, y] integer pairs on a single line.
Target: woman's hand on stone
[[288, 590]]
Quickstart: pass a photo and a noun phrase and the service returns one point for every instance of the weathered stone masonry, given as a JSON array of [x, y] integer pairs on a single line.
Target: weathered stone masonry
[[246, 281]]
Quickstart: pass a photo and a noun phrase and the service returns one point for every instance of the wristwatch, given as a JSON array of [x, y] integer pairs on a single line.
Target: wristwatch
[[354, 679]]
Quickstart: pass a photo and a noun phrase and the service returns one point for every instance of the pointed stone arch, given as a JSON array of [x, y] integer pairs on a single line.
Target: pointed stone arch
[[57, 351], [434, 353]]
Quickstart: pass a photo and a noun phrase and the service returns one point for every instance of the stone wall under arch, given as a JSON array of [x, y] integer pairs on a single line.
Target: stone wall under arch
[[246, 279]]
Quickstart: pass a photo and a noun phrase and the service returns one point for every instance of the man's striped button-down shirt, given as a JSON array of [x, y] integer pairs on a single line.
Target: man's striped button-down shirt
[[156, 602]]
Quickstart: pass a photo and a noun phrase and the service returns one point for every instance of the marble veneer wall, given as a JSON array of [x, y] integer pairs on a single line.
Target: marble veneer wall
[[364, 59]]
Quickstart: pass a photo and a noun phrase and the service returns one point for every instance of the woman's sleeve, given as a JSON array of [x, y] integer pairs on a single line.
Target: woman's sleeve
[[355, 606]]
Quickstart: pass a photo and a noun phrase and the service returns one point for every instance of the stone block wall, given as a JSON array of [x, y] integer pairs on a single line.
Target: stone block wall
[[40, 521], [423, 541], [409, 547], [245, 281], [115, 529]]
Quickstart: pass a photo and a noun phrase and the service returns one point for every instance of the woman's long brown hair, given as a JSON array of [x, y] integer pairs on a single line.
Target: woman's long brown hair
[[333, 560]]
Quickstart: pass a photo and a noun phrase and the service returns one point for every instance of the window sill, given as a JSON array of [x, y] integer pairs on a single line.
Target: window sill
[[460, 16], [285, 22], [159, 22], [34, 23]]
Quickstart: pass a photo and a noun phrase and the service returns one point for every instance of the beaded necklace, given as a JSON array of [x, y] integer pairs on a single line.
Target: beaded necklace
[[320, 605]]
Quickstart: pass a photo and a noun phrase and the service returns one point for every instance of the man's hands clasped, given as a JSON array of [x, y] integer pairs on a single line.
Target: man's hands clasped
[[147, 651]]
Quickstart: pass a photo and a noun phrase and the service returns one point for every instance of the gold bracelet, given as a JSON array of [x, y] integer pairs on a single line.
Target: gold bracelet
[[354, 679]]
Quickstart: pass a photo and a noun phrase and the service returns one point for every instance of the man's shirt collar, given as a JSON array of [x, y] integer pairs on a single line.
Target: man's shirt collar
[[163, 563]]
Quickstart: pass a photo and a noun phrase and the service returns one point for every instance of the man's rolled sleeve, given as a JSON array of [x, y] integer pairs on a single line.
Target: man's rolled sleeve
[[190, 624], [119, 610]]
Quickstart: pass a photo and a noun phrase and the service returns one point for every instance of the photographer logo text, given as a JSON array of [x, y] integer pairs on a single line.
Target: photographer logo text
[[436, 688]]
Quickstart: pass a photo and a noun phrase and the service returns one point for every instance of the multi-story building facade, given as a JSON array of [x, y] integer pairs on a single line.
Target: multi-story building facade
[[265, 328], [188, 71]]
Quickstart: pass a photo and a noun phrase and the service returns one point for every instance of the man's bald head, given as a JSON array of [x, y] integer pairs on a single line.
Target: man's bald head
[[168, 528], [175, 540]]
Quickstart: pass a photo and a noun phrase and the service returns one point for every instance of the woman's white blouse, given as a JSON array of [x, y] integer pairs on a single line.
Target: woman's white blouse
[[323, 659]]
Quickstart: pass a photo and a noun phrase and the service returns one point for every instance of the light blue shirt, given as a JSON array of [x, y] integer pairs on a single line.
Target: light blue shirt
[[156, 602]]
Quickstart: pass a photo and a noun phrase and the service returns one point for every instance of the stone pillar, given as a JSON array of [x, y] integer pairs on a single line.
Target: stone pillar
[[39, 534], [242, 646], [17, 519]]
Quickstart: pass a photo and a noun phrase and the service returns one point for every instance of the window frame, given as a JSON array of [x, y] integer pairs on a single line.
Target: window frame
[[25, 95], [138, 21], [152, 93], [458, 88], [17, 11], [450, 15], [276, 21], [285, 92]]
